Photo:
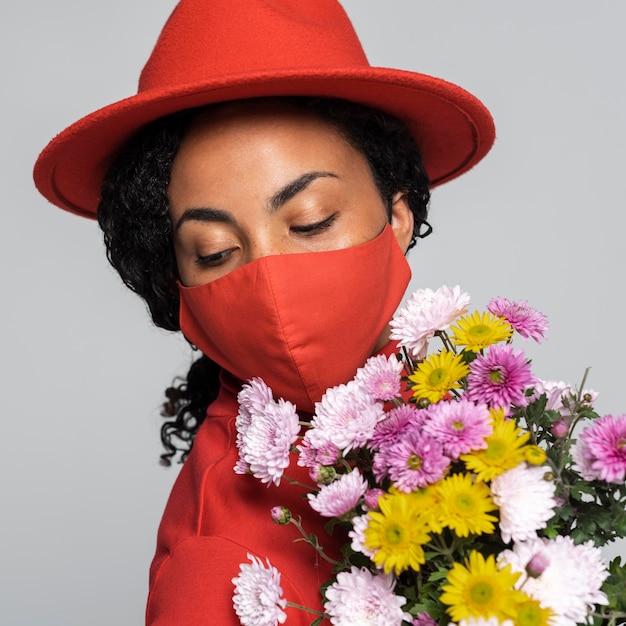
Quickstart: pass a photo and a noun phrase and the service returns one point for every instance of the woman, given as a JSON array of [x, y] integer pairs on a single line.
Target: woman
[[260, 193]]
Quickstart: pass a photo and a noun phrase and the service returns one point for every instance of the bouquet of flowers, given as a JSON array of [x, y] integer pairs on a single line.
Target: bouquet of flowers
[[472, 492]]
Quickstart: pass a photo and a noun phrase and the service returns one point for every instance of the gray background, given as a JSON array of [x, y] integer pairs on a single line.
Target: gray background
[[542, 218]]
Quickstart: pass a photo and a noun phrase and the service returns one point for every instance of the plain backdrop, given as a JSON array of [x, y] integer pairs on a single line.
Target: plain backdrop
[[540, 219]]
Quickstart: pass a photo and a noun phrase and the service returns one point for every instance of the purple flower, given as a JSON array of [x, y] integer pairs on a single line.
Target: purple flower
[[380, 377], [397, 421], [528, 322], [340, 497], [423, 619], [499, 377], [600, 452], [415, 460], [460, 426]]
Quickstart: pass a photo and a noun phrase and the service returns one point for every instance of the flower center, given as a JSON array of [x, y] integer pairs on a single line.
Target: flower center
[[496, 449], [458, 425], [495, 376], [414, 462], [480, 330], [437, 377], [481, 592], [464, 503], [394, 534], [529, 614]]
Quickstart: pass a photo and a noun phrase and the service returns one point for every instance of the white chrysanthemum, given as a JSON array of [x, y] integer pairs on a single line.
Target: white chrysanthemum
[[258, 597], [357, 534], [571, 582], [559, 395], [266, 430], [346, 416], [340, 496], [426, 312], [360, 598], [526, 501]]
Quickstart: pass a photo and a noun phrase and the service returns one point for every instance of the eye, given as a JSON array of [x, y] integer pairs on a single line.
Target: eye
[[315, 228], [214, 260]]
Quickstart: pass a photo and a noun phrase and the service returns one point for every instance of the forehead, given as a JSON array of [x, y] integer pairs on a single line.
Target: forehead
[[273, 138], [250, 122]]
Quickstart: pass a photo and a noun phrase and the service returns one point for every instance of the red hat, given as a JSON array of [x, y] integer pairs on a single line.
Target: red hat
[[217, 50]]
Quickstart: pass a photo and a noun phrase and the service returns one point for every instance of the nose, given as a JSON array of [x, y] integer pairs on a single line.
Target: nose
[[264, 242]]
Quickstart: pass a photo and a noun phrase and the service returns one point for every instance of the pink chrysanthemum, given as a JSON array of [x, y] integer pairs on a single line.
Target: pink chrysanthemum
[[346, 416], [360, 598], [416, 460], [426, 312], [380, 377], [423, 619], [526, 501], [326, 453], [526, 321], [258, 597], [460, 426], [600, 452], [395, 423], [266, 430], [254, 396], [340, 497], [499, 377]]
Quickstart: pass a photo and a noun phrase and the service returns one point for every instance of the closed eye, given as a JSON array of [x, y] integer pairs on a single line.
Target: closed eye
[[214, 260], [317, 227]]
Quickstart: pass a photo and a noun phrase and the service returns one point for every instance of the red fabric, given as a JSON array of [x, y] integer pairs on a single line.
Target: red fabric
[[215, 517]]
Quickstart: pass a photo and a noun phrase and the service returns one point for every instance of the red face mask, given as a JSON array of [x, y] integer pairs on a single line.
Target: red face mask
[[302, 322]]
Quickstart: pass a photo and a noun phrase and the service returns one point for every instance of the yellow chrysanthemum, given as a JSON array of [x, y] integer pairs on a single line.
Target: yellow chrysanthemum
[[479, 330], [480, 589], [437, 374], [504, 451], [397, 533], [426, 503], [465, 505], [531, 613]]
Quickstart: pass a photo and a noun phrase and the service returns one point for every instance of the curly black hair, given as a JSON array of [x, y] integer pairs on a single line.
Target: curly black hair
[[133, 215]]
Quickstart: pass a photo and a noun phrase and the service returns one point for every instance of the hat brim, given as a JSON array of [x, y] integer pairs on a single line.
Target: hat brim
[[453, 129]]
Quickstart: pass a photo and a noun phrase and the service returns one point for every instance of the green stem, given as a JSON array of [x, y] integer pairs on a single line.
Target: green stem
[[293, 605], [312, 540]]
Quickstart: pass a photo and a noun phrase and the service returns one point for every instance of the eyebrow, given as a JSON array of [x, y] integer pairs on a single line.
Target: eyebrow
[[294, 187], [283, 195]]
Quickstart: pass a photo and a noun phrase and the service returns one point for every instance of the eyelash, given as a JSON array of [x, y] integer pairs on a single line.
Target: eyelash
[[213, 260], [313, 229]]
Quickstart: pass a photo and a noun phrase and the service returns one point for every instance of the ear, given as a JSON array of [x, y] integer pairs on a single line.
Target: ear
[[402, 219]]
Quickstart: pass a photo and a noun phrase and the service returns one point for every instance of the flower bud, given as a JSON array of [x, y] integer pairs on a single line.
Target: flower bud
[[371, 498], [560, 429], [534, 455], [280, 515], [537, 565], [323, 474]]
